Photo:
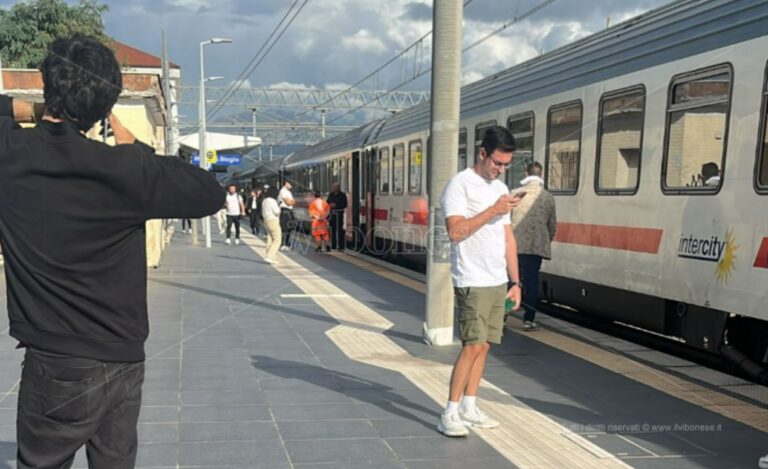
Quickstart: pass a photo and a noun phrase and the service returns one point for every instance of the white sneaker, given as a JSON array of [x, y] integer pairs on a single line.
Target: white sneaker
[[228, 241], [529, 326], [763, 462], [270, 261], [284, 248], [237, 241], [451, 424], [477, 419]]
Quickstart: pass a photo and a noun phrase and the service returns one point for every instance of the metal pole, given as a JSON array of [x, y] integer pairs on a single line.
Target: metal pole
[[2, 86], [322, 124], [270, 152], [253, 110], [167, 94], [201, 131], [444, 138], [203, 143], [260, 148]]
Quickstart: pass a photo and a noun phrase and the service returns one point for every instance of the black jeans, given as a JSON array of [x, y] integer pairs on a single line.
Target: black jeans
[[186, 223], [287, 224], [337, 230], [67, 402], [236, 220], [529, 266], [255, 221]]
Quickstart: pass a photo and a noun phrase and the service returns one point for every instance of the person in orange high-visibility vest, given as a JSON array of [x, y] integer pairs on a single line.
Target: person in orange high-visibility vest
[[319, 211]]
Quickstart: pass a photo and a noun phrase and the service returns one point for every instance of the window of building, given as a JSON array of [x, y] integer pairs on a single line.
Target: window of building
[[398, 168], [414, 167], [620, 141], [761, 165], [462, 150], [697, 128], [479, 132], [521, 127], [384, 171], [563, 148]]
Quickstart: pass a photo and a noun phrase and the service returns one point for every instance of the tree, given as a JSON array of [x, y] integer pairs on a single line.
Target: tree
[[28, 28]]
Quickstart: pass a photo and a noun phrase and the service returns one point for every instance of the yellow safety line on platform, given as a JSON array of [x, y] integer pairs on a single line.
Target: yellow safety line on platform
[[526, 437], [709, 399]]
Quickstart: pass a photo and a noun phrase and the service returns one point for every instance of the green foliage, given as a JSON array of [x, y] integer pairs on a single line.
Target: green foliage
[[28, 28]]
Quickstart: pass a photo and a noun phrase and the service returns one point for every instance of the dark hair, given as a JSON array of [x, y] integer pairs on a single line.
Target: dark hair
[[498, 138], [231, 184], [82, 80], [317, 194], [709, 170], [534, 169], [273, 192]]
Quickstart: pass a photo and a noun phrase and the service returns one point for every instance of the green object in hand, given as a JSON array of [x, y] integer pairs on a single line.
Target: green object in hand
[[509, 304]]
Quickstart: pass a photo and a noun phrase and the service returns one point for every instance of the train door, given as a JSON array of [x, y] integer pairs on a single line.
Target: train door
[[356, 196], [369, 192]]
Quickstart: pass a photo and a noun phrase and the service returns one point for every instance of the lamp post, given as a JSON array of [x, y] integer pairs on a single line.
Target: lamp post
[[202, 151]]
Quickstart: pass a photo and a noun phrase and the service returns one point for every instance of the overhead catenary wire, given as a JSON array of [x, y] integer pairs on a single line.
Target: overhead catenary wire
[[498, 30], [260, 55]]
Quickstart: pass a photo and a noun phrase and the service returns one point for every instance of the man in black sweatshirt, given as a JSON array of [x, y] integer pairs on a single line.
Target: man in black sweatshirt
[[76, 282]]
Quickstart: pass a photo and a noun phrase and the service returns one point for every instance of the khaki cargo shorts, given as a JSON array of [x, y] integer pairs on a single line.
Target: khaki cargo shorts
[[481, 313]]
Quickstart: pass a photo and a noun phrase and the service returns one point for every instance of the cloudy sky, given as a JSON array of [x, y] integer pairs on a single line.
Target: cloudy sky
[[334, 42]]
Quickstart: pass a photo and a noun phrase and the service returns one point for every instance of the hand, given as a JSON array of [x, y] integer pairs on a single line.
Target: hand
[[505, 204], [122, 134], [514, 294]]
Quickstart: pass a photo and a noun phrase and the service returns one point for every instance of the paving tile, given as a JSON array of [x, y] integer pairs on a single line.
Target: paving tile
[[229, 431], [328, 429], [225, 413], [284, 413], [255, 454], [338, 451]]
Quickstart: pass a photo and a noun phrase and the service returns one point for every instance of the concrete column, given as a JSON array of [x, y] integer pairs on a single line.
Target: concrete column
[[444, 147]]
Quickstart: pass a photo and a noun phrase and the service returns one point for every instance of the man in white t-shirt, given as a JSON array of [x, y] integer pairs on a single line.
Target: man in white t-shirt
[[285, 201], [477, 206], [235, 209]]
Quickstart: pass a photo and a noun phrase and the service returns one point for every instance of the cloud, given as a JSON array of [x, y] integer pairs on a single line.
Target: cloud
[[363, 41], [417, 12]]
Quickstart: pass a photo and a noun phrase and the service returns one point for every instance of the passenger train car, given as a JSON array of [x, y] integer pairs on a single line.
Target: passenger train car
[[623, 122]]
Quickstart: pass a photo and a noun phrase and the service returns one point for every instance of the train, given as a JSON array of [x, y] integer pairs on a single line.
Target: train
[[623, 122]]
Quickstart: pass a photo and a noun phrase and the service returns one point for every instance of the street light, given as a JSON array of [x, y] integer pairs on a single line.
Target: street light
[[201, 147]]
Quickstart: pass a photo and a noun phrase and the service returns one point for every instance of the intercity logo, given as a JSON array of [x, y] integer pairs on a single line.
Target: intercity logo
[[712, 249]]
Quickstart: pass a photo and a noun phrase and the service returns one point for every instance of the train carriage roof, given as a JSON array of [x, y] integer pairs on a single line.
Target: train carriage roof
[[672, 32], [348, 141]]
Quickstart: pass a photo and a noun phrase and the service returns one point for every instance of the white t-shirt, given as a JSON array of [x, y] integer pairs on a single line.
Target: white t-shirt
[[233, 204], [285, 194], [480, 260], [269, 209]]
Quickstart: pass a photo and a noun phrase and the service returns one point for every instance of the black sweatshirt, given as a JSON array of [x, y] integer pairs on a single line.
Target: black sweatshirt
[[72, 213]]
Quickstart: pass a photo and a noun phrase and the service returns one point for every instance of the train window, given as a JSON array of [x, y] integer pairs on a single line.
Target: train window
[[761, 165], [398, 168], [563, 148], [697, 129], [384, 171], [479, 132], [462, 150], [620, 137], [414, 167], [521, 127]]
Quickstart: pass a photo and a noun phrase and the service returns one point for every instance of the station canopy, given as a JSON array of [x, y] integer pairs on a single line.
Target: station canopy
[[221, 142]]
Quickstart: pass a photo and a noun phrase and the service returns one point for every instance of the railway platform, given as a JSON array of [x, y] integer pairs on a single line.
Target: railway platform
[[318, 362]]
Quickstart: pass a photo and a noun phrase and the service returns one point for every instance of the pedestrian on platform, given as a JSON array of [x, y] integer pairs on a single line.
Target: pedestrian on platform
[[338, 203], [186, 225], [253, 207], [476, 205], [286, 202], [77, 284], [319, 210], [235, 209], [270, 212], [534, 222]]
